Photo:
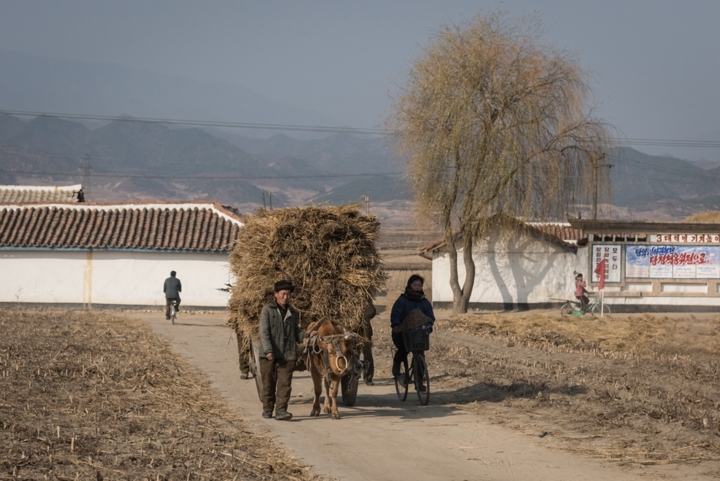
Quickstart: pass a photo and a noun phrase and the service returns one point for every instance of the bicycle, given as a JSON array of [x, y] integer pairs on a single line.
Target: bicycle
[[575, 307], [173, 311], [417, 341]]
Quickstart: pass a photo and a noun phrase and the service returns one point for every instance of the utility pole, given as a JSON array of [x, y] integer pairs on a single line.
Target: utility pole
[[597, 179], [86, 170], [366, 199]]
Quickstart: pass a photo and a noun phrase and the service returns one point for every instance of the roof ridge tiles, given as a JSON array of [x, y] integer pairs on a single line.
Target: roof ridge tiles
[[196, 226]]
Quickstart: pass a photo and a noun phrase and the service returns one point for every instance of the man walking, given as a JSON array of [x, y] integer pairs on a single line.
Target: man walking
[[367, 333], [279, 334], [172, 289]]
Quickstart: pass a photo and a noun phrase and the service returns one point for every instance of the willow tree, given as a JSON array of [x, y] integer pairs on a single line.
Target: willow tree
[[496, 127]]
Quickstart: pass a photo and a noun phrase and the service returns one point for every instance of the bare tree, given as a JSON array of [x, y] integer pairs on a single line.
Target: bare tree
[[496, 126]]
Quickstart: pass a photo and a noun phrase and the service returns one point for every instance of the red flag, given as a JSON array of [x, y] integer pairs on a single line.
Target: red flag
[[600, 271]]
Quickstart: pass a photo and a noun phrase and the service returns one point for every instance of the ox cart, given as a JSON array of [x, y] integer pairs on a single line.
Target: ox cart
[[349, 383]]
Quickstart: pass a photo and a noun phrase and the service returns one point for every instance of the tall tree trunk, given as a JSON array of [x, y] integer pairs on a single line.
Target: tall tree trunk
[[449, 237], [460, 305], [454, 278]]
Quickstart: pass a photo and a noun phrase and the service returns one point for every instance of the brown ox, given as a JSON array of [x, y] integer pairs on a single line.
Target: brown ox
[[331, 356]]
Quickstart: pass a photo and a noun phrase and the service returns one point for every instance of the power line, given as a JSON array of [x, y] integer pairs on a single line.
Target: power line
[[714, 144], [202, 123], [205, 177]]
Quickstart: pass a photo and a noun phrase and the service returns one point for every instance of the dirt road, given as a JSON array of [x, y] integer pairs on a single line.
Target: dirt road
[[382, 438]]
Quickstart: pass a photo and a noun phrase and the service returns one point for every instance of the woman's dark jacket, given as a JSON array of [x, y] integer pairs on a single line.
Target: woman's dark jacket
[[405, 304]]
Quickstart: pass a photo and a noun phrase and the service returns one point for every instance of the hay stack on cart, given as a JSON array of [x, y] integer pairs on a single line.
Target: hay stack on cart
[[328, 253]]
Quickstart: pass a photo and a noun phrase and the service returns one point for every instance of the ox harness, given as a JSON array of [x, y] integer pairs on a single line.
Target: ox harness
[[315, 348]]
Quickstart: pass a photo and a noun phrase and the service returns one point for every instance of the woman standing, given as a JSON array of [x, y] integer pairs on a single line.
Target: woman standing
[[413, 298]]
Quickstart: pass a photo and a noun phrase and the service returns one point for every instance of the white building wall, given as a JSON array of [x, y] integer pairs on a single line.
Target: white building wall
[[526, 272], [111, 277], [530, 272]]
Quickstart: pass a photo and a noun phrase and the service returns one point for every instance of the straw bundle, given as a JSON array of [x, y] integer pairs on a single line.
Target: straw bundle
[[328, 253], [709, 217]]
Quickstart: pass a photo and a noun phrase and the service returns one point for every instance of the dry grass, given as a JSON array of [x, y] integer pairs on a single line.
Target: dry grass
[[640, 388], [710, 217], [645, 335], [87, 395]]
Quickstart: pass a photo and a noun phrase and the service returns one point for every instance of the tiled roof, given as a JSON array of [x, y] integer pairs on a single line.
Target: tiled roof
[[562, 230], [633, 227], [16, 194], [560, 233], [189, 226]]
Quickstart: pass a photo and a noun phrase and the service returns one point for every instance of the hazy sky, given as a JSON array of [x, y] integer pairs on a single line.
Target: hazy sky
[[656, 63]]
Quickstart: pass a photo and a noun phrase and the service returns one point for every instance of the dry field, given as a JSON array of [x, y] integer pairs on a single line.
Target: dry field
[[637, 389], [87, 395]]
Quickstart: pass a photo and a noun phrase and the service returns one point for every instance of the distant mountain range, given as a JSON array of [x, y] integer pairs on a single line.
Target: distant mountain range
[[151, 161], [648, 182], [141, 161]]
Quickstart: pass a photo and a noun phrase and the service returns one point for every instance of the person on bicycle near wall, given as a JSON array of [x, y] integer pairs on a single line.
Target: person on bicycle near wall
[[413, 298], [580, 292], [172, 289]]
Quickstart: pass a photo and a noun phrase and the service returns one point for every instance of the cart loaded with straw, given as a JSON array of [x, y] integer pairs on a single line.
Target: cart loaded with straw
[[330, 256]]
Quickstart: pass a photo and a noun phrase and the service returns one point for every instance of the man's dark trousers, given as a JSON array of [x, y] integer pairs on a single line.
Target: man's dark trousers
[[277, 383]]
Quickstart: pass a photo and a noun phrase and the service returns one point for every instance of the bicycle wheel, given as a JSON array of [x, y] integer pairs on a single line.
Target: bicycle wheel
[[422, 378], [566, 309], [399, 388], [595, 309], [172, 313]]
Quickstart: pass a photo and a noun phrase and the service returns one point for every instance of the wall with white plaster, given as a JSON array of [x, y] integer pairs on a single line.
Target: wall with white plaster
[[515, 270], [111, 277], [524, 271]]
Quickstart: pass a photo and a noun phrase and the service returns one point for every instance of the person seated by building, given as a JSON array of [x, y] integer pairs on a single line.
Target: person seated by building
[[172, 289], [413, 298], [580, 291]]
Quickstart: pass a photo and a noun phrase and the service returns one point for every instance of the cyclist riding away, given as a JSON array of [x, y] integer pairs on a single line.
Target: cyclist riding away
[[413, 298], [172, 289], [580, 291]]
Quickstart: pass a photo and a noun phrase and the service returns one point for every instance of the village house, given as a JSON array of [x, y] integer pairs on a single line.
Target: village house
[[522, 266], [115, 254], [650, 266]]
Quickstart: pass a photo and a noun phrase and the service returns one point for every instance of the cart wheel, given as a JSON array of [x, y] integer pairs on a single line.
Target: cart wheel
[[255, 366], [349, 386]]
